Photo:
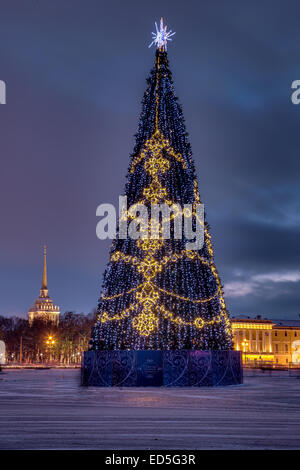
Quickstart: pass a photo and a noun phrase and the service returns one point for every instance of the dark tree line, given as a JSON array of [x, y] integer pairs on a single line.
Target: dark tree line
[[44, 342]]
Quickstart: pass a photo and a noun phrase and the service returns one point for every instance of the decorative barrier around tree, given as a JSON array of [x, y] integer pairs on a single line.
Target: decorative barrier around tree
[[181, 368]]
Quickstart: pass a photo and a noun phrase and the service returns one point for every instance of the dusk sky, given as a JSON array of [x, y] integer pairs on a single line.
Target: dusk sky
[[75, 73]]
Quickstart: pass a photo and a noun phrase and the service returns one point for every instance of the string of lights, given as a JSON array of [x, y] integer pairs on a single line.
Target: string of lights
[[156, 294]]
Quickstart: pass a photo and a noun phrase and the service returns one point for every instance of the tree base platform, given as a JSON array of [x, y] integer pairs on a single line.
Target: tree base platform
[[148, 368]]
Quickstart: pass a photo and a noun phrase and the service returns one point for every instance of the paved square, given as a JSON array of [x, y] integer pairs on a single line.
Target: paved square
[[47, 409]]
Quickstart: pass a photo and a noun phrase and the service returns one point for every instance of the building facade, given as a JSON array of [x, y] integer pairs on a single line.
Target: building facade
[[265, 341], [44, 308]]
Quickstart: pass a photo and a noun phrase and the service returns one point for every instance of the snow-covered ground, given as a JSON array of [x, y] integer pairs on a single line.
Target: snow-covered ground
[[47, 409]]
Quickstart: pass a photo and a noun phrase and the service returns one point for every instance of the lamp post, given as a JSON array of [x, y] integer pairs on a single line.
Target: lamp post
[[50, 342], [245, 344]]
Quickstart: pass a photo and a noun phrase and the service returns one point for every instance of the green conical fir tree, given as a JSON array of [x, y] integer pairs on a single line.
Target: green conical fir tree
[[156, 293]]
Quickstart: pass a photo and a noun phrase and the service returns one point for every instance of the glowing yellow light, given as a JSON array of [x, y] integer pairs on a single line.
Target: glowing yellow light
[[122, 293], [187, 299], [154, 147], [157, 153], [252, 326], [50, 340], [145, 322], [156, 164]]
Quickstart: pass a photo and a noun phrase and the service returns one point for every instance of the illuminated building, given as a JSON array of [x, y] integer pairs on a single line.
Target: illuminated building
[[286, 342], [267, 341], [44, 308]]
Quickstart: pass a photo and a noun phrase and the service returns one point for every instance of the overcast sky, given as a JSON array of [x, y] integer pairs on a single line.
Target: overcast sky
[[75, 74]]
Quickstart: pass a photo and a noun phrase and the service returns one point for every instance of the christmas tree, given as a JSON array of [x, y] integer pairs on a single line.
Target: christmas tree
[[156, 293]]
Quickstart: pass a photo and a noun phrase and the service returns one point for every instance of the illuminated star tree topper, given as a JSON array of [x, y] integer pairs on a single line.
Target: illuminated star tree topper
[[161, 36]]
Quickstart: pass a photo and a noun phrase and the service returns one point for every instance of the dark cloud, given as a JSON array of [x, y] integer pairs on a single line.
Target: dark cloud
[[75, 74]]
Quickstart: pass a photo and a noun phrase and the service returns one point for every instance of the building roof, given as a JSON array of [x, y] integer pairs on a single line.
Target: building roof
[[276, 323], [287, 323], [250, 320]]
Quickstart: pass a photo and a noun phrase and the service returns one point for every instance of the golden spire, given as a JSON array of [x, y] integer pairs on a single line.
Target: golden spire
[[44, 284]]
